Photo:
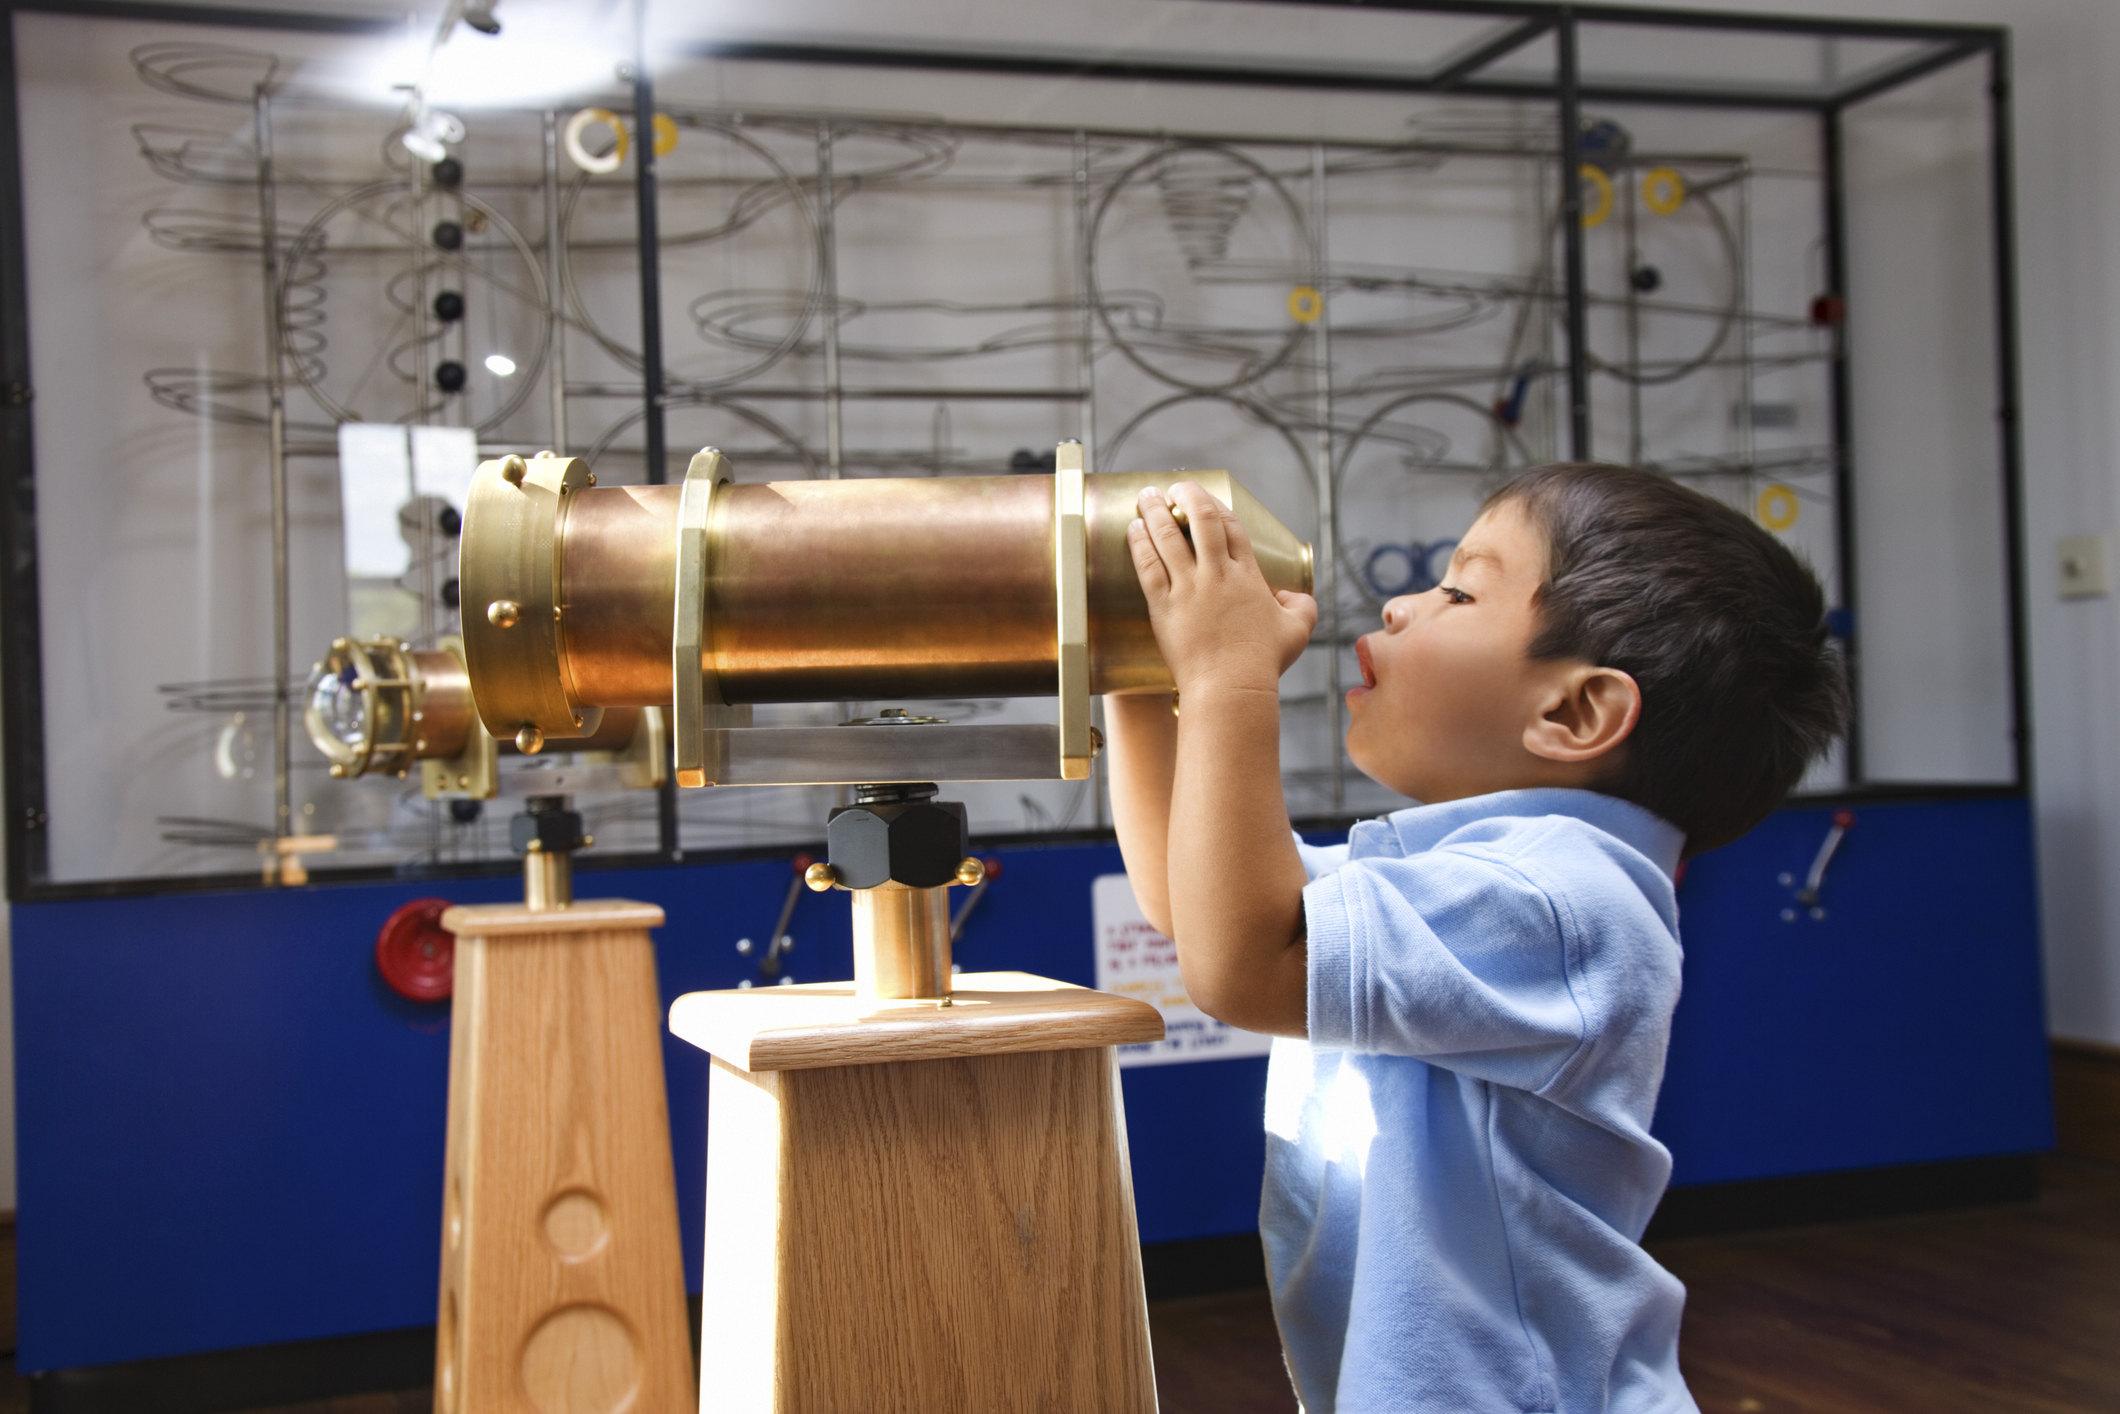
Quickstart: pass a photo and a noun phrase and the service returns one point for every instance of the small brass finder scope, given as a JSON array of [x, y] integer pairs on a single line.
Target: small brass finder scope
[[712, 596], [379, 707]]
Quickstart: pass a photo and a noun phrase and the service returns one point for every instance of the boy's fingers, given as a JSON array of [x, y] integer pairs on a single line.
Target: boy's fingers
[[1209, 521], [1238, 537], [1148, 564], [1303, 606], [1168, 535]]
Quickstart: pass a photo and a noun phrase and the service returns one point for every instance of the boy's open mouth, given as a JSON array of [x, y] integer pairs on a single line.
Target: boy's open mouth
[[1369, 669]]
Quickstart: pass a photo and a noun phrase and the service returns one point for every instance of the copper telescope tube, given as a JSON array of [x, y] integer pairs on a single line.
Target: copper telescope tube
[[445, 702], [446, 712], [867, 589]]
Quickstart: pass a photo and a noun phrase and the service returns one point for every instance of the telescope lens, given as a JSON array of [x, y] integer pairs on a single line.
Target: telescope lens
[[338, 707]]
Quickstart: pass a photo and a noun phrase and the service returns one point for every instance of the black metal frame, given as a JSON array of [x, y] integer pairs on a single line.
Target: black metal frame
[[21, 694]]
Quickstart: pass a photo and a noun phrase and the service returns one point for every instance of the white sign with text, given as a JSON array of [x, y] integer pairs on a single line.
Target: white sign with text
[[1134, 960]]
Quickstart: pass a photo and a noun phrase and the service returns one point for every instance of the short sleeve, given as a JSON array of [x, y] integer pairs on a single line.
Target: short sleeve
[[1451, 956], [1320, 858]]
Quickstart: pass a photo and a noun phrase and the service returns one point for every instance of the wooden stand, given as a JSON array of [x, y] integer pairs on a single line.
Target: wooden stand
[[921, 1205], [562, 1280]]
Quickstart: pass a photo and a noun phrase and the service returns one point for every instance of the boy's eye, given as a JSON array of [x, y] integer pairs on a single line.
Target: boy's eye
[[1454, 596]]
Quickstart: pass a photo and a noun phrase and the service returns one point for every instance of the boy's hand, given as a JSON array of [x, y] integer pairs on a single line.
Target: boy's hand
[[1215, 619]]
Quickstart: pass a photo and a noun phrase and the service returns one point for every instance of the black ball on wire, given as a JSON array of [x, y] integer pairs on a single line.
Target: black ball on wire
[[449, 306], [449, 376], [449, 174], [451, 521], [448, 235], [1646, 278], [452, 594]]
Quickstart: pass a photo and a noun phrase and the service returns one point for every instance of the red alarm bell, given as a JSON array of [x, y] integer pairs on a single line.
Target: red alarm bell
[[415, 953]]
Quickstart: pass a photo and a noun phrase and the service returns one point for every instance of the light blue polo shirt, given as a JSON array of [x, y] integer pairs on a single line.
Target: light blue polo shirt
[[1458, 1160]]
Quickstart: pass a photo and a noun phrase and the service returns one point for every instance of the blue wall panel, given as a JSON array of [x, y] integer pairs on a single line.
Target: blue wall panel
[[231, 1132], [1906, 1026]]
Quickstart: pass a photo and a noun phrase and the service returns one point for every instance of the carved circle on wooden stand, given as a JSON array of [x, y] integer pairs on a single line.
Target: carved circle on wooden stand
[[445, 1375], [575, 1225], [581, 1360]]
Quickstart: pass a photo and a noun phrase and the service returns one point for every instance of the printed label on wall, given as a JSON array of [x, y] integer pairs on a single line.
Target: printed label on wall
[[1134, 960]]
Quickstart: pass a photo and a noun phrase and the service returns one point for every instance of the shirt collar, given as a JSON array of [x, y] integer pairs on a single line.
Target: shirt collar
[[1424, 826]]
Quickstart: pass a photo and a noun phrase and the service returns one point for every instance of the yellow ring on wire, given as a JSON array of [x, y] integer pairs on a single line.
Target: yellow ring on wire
[[1777, 507], [1305, 304], [665, 135], [1594, 217], [1663, 190], [581, 156]]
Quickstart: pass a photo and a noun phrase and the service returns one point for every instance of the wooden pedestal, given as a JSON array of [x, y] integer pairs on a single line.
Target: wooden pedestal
[[562, 1277], [915, 1206]]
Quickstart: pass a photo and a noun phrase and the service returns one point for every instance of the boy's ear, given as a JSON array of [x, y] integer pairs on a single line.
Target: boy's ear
[[1588, 712]]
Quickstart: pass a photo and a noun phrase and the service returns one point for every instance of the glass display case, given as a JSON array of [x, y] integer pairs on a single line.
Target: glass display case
[[277, 291]]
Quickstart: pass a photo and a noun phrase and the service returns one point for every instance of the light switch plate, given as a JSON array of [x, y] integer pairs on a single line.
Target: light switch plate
[[2079, 566]]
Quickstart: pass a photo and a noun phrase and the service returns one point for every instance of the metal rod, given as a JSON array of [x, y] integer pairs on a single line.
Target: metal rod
[[1086, 433], [417, 236], [1834, 161], [1747, 432], [276, 459], [2002, 203], [1628, 187], [654, 431], [1086, 363], [764, 393], [1574, 281], [555, 297], [828, 277], [1500, 47], [1325, 559], [1764, 98], [21, 631]]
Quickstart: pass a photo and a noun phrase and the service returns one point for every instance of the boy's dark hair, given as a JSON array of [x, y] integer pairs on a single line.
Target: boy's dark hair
[[1720, 625]]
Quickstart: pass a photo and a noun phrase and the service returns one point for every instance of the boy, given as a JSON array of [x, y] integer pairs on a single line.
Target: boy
[[1618, 671]]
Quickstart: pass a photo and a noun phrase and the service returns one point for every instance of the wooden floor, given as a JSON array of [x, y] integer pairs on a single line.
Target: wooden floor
[[2009, 1310], [1990, 1311]]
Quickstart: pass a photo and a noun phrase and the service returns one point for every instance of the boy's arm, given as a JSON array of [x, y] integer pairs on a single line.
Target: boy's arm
[[1142, 759], [1235, 881]]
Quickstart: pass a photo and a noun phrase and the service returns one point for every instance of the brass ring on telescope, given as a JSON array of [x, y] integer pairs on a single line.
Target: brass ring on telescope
[[1071, 598], [691, 667], [513, 532]]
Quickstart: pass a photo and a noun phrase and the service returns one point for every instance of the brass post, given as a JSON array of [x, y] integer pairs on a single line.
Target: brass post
[[901, 942], [548, 880]]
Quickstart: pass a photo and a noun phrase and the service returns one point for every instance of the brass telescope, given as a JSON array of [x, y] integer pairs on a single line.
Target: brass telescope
[[581, 598], [712, 596]]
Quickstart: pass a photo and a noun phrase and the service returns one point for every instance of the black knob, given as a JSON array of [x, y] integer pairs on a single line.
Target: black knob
[[1646, 278], [464, 812], [449, 174], [451, 521], [449, 306], [448, 235], [450, 376], [452, 595]]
